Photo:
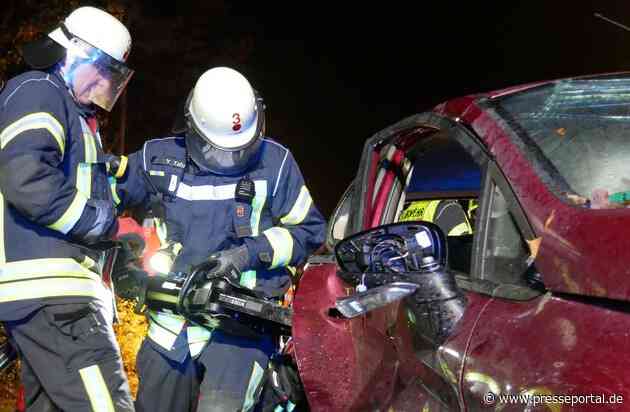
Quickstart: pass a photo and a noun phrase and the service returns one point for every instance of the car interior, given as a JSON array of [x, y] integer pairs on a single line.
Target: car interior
[[444, 171]]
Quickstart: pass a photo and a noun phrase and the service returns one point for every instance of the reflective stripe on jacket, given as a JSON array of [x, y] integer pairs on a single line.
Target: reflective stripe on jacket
[[447, 214]]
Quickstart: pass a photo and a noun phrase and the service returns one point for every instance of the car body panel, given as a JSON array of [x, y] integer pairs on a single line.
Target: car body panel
[[548, 346], [344, 365]]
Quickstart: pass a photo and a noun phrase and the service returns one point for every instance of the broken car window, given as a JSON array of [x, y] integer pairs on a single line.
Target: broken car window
[[581, 127]]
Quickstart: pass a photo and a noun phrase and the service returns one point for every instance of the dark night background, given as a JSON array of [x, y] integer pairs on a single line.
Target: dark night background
[[332, 74]]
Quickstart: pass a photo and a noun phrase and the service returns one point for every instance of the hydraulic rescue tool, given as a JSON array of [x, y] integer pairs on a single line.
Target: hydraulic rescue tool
[[205, 297]]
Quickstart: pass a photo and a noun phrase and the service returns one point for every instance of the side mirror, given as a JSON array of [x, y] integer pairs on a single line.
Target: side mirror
[[405, 260], [361, 303], [392, 250]]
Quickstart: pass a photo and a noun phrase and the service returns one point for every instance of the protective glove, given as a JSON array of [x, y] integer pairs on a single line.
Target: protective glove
[[230, 263], [129, 281], [127, 275]]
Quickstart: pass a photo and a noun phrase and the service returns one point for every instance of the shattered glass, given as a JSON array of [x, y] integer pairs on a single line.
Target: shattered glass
[[582, 126]]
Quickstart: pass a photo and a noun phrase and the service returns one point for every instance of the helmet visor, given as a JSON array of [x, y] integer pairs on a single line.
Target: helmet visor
[[221, 161], [94, 75]]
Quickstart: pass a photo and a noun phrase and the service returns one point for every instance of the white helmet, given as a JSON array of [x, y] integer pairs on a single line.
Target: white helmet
[[87, 35], [225, 122], [98, 28]]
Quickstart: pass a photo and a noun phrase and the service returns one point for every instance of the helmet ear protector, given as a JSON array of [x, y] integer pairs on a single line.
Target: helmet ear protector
[[42, 53]]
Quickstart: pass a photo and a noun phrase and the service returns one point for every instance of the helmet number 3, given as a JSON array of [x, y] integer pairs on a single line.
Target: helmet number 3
[[236, 122]]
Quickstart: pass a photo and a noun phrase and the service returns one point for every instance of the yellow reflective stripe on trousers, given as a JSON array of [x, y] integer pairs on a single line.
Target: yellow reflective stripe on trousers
[[172, 323], [282, 244], [300, 208], [161, 336], [96, 389], [198, 337], [164, 328], [71, 215], [254, 382], [34, 121]]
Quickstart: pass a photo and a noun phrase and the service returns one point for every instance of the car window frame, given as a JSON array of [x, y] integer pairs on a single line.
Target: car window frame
[[493, 176], [427, 119], [474, 146], [347, 196]]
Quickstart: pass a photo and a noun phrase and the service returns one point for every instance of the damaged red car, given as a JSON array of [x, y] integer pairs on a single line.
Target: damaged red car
[[527, 310]]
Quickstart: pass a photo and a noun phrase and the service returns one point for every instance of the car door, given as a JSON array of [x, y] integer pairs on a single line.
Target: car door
[[508, 289], [347, 364], [532, 349], [377, 361], [547, 342]]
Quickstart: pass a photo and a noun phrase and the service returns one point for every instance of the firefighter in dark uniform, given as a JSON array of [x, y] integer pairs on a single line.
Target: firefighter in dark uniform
[[235, 196], [449, 215], [56, 207]]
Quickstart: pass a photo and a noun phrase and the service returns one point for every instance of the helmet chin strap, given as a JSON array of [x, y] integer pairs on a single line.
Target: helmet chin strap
[[190, 160]]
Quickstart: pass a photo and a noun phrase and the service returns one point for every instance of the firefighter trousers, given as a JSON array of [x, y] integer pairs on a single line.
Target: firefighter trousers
[[70, 360], [227, 376]]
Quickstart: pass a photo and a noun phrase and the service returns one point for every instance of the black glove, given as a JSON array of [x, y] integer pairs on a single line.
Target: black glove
[[129, 281], [128, 276], [230, 263]]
